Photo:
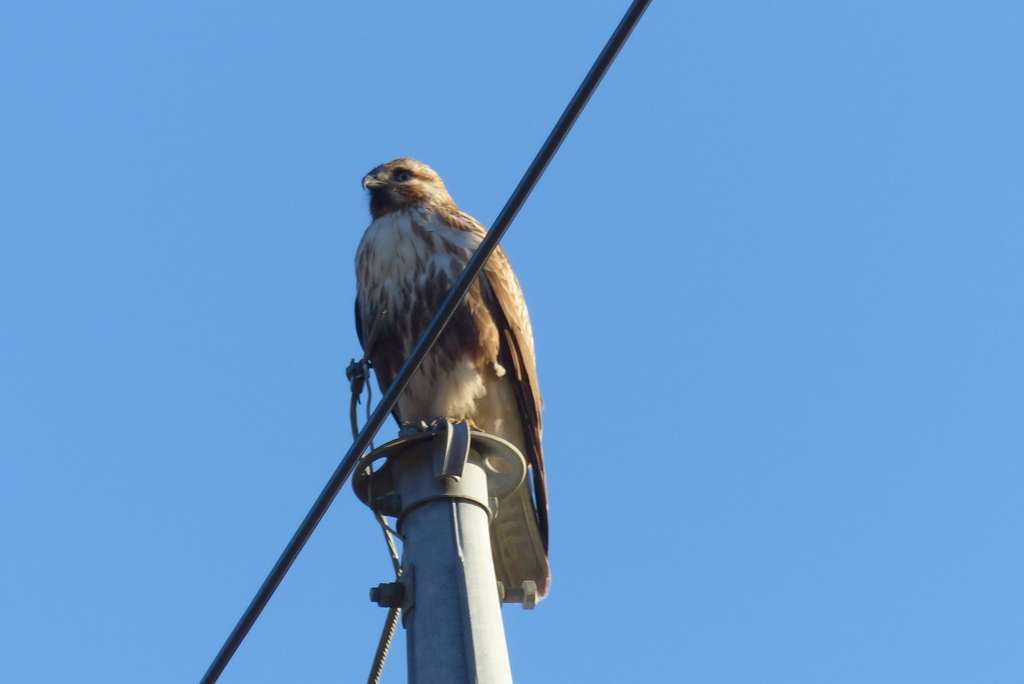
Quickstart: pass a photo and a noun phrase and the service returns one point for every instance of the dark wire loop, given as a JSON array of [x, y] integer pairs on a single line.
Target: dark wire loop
[[384, 645], [433, 332], [358, 374]]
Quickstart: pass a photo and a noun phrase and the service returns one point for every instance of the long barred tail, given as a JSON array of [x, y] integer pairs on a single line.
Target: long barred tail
[[516, 543]]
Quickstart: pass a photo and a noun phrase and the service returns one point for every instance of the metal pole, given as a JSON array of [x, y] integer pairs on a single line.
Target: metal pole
[[448, 481], [455, 632]]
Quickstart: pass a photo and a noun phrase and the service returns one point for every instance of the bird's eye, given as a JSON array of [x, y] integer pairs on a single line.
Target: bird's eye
[[401, 176]]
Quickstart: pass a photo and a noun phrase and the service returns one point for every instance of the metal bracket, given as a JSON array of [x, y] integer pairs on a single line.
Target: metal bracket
[[451, 441], [409, 598], [398, 594], [455, 444]]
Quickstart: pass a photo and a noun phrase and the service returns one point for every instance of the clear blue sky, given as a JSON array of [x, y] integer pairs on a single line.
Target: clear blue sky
[[775, 279]]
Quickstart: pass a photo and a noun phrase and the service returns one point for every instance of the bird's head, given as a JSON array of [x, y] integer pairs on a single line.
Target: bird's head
[[403, 184]]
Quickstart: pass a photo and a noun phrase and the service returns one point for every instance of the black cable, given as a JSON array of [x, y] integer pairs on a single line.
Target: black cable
[[430, 337]]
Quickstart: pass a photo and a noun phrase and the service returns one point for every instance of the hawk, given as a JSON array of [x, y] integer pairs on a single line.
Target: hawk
[[483, 368]]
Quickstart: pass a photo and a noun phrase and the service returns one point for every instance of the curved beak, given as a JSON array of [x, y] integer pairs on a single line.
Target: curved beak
[[371, 181]]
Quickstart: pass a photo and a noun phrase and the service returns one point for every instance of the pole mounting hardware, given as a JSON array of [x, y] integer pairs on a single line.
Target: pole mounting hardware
[[454, 444], [388, 595], [526, 594]]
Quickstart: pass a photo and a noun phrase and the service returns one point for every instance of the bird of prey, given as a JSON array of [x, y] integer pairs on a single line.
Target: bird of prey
[[483, 368]]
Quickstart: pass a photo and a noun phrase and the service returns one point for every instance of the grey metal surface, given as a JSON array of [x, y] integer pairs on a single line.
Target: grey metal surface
[[452, 609]]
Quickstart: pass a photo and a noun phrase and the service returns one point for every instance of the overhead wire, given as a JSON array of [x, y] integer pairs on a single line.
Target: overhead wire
[[429, 338]]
